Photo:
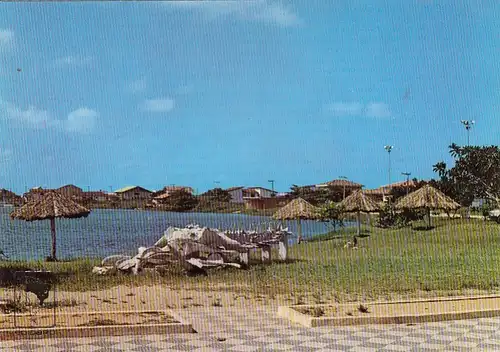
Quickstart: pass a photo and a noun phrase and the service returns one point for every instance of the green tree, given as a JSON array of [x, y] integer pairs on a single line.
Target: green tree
[[476, 173], [216, 195], [180, 200], [331, 213], [319, 196]]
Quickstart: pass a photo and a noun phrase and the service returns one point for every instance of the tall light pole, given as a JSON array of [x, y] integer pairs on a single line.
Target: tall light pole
[[272, 184], [468, 125], [388, 148], [407, 174], [343, 190]]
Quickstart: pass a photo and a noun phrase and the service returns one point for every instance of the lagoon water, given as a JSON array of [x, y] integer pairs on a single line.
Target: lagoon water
[[106, 232]]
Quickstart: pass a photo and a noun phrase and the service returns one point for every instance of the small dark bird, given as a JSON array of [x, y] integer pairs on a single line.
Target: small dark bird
[[18, 70]]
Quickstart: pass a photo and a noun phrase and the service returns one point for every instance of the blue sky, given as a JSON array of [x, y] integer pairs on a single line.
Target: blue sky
[[153, 94]]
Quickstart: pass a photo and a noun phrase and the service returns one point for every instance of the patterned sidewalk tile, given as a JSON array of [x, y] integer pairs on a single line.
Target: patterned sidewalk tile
[[238, 331]]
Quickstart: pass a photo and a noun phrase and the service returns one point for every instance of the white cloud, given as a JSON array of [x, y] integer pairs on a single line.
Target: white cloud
[[158, 105], [257, 10], [32, 116], [6, 39], [375, 110], [379, 110], [137, 86], [346, 109], [74, 60], [81, 120]]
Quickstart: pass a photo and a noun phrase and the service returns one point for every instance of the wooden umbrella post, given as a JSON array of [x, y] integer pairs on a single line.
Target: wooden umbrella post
[[359, 223], [53, 232], [299, 231], [429, 214]]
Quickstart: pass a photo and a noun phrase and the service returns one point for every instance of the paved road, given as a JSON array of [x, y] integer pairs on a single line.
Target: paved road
[[262, 330]]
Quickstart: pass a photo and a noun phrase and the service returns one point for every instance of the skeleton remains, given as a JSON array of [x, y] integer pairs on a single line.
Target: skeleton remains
[[198, 248]]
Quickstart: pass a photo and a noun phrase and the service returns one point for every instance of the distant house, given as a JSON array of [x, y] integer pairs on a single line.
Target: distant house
[[34, 193], [166, 191], [260, 198], [8, 197], [341, 184], [236, 194], [99, 196], [133, 192], [382, 193], [258, 192], [70, 191]]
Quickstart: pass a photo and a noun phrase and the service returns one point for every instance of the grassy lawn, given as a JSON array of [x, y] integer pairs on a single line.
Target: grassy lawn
[[455, 257]]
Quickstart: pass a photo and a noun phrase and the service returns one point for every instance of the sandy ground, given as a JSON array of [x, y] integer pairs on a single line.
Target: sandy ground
[[158, 297], [35, 319], [161, 297], [399, 309]]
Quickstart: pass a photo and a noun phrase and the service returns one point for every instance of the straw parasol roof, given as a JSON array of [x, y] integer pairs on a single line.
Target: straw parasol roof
[[427, 197], [358, 201], [297, 209], [49, 205]]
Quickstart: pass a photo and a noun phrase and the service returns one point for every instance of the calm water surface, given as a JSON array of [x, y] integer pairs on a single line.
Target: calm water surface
[[107, 232]]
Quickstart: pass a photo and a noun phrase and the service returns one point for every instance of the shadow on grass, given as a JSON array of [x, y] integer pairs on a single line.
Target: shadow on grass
[[423, 228], [257, 262]]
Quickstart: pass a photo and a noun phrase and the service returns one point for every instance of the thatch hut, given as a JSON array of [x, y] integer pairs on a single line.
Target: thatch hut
[[49, 206], [428, 198], [358, 202], [298, 209]]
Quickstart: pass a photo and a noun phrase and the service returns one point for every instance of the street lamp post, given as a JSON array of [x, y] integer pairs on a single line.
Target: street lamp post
[[389, 148], [407, 174], [468, 125], [343, 189]]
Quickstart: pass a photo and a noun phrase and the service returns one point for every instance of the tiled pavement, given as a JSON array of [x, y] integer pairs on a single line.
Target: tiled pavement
[[221, 329]]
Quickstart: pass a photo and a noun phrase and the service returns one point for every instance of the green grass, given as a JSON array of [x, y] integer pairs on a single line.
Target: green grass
[[454, 257]]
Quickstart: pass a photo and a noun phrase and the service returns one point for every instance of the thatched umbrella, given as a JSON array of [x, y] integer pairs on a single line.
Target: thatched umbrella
[[427, 198], [298, 209], [50, 205], [358, 202]]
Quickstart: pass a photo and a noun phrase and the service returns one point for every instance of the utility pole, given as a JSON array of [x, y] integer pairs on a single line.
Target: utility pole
[[407, 174], [468, 125], [272, 184], [343, 191]]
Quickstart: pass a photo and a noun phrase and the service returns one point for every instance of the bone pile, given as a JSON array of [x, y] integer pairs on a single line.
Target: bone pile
[[197, 248]]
